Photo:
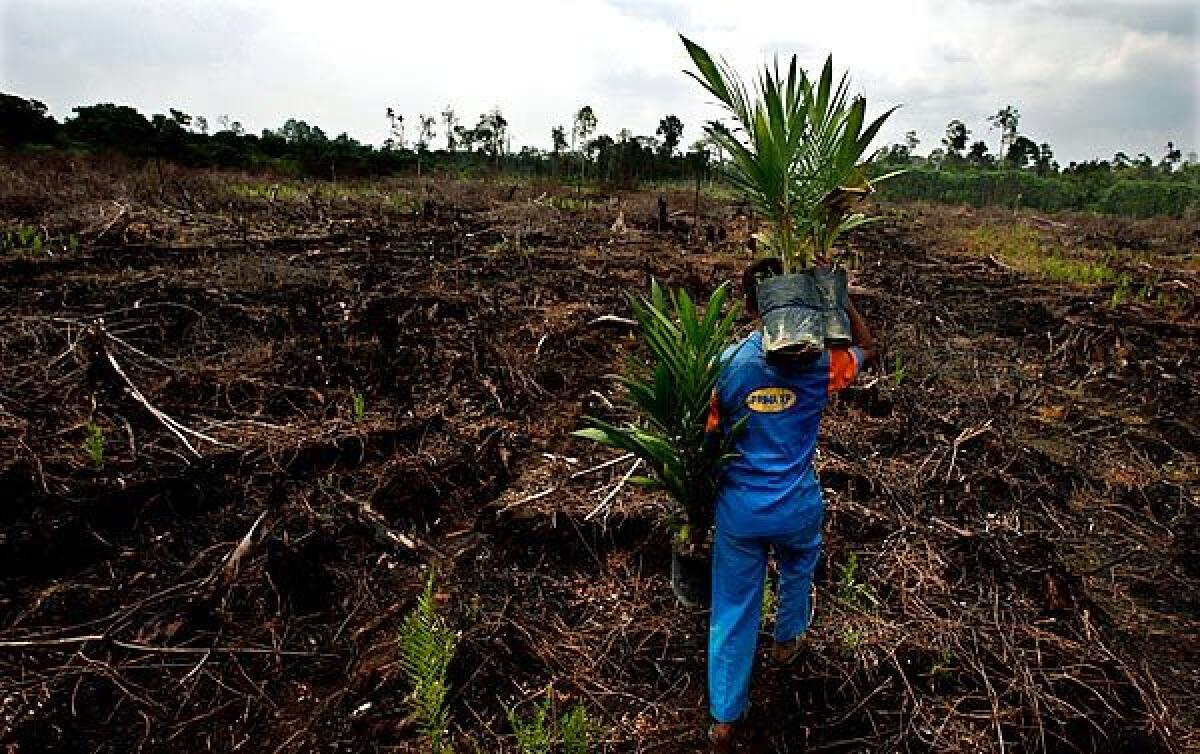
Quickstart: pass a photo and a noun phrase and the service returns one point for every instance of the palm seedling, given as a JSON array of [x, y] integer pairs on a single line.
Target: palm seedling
[[670, 398], [796, 151]]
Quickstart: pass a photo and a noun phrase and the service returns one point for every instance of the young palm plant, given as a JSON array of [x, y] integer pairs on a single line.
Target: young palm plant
[[796, 150], [670, 399]]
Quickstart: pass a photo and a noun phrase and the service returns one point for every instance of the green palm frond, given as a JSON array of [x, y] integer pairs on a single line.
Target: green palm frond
[[670, 395], [793, 144]]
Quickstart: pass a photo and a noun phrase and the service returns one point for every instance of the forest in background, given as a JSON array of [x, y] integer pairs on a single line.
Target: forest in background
[[1022, 173]]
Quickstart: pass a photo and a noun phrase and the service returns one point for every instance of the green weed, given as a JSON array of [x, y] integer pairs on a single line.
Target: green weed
[[281, 192], [683, 533], [942, 668], [851, 641], [852, 592], [576, 730], [1079, 272], [427, 645], [510, 245], [899, 371], [535, 734], [27, 239], [358, 405], [94, 445], [1121, 292], [768, 600], [570, 203], [538, 733], [1032, 253], [23, 238], [1011, 242]]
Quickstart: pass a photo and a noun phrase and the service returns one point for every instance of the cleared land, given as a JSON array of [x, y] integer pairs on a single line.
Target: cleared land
[[1017, 485]]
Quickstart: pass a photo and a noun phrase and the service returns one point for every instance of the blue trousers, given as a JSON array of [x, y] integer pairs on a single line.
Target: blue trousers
[[739, 571]]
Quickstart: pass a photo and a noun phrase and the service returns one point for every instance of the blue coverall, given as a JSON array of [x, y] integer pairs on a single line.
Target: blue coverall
[[768, 497]]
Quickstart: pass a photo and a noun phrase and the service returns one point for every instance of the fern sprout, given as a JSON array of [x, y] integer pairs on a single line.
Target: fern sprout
[[427, 645]]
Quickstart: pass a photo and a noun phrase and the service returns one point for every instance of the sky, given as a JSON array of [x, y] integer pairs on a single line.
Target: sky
[[1089, 77]]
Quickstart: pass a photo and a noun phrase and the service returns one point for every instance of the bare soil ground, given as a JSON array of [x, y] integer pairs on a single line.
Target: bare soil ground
[[1017, 482]]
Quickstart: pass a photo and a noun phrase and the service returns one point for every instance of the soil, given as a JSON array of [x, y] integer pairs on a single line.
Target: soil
[[1017, 481]]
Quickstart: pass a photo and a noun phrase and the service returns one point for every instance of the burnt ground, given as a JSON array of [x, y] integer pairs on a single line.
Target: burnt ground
[[1016, 483]]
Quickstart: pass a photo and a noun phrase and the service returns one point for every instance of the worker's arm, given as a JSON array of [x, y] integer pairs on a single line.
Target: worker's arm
[[861, 333]]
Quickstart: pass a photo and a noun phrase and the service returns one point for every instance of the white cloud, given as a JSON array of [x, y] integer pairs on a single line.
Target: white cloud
[[1089, 78]]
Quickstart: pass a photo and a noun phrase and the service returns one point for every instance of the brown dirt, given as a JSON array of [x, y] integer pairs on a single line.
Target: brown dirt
[[1018, 483]]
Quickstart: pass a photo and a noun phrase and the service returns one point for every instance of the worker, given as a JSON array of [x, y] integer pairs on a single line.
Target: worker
[[768, 498]]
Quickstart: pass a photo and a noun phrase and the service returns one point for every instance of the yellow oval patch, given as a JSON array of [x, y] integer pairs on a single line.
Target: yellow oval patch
[[770, 400]]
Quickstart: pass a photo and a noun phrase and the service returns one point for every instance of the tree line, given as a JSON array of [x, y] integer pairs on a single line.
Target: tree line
[[429, 142], [1023, 172]]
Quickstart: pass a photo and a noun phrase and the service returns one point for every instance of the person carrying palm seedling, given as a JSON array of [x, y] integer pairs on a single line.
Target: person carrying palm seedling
[[796, 151], [768, 496]]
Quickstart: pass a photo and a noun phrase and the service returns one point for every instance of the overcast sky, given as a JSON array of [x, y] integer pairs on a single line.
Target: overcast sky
[[1089, 76]]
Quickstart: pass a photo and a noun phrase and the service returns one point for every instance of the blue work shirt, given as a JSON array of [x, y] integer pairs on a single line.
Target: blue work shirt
[[771, 488]]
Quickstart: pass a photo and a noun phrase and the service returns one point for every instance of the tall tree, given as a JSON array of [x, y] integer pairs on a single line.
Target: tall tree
[[1045, 160], [396, 128], [425, 132], [911, 141], [451, 121], [584, 126], [956, 137], [465, 137], [978, 155], [1022, 152], [1173, 157], [670, 129], [118, 127], [1006, 120], [24, 121], [558, 139], [425, 135], [492, 130]]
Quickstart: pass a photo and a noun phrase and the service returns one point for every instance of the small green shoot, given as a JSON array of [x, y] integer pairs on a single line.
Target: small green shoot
[[683, 534], [768, 600], [540, 732], [426, 647], [28, 239], [852, 639], [1121, 292], [850, 591], [24, 238], [576, 730], [942, 668], [94, 445], [358, 405], [899, 371], [535, 734]]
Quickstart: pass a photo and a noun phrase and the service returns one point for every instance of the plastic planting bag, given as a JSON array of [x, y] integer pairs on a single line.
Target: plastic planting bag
[[805, 311], [835, 289]]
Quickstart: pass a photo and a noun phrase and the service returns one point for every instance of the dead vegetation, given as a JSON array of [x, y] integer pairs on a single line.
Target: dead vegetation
[[238, 427]]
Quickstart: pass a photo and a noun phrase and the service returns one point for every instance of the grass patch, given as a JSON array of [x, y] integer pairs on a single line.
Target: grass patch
[[1036, 255], [281, 192], [570, 203]]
